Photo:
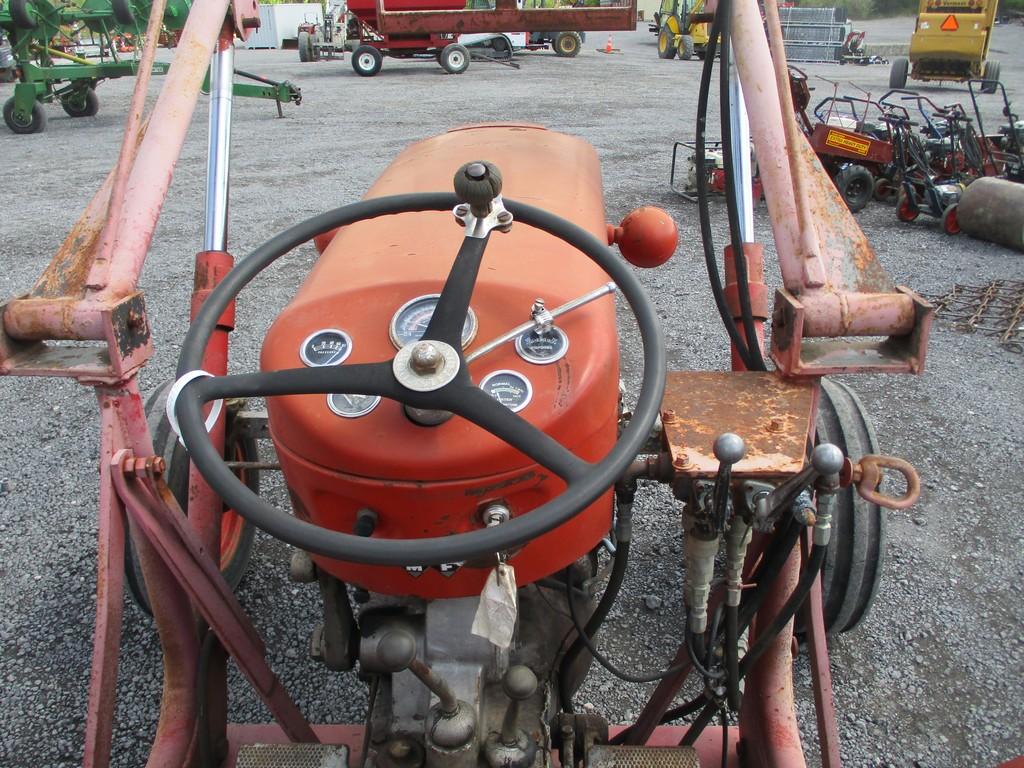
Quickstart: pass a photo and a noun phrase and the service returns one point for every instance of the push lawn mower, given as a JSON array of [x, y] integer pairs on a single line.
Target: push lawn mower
[[445, 410]]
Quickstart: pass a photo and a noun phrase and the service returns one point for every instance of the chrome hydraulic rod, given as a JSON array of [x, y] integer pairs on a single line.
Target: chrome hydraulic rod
[[222, 70]]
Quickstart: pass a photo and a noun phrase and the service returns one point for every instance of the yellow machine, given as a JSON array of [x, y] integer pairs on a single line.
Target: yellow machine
[[676, 30], [950, 42]]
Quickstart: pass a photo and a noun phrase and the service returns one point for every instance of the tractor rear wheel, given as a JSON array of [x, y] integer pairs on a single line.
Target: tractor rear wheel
[[21, 15], [990, 73], [686, 48], [568, 44], [34, 123], [856, 184], [898, 73], [305, 43], [367, 61], [666, 43], [237, 535], [454, 59], [856, 551], [84, 103], [123, 12]]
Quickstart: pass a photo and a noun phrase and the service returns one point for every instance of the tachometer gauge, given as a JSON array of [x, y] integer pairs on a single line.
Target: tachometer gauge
[[328, 346], [509, 388], [412, 318], [542, 348], [352, 406]]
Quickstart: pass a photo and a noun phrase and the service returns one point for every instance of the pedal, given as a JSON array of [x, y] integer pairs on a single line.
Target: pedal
[[292, 756], [602, 756]]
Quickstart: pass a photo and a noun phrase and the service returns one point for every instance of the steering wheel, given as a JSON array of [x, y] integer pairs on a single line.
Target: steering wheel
[[428, 374]]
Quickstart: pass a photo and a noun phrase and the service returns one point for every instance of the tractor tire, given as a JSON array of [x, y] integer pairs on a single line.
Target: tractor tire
[[885, 191], [856, 551], [238, 535], [82, 104], [906, 210], [856, 184], [35, 124], [22, 16], [367, 61], [950, 222], [123, 12], [501, 48], [454, 59], [666, 43], [686, 48], [898, 73], [305, 43], [568, 45], [991, 73]]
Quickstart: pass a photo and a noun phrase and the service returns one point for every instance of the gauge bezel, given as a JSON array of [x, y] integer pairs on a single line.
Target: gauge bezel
[[393, 325], [302, 348], [374, 402], [521, 351], [526, 379]]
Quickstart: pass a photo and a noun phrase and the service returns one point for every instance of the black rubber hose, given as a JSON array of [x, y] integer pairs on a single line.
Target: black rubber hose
[[731, 202], [704, 214], [771, 565], [593, 625], [732, 660], [697, 727]]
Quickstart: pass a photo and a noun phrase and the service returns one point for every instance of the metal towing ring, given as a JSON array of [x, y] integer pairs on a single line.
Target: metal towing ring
[[585, 481]]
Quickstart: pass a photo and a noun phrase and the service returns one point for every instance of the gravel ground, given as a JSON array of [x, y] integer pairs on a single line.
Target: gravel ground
[[905, 694]]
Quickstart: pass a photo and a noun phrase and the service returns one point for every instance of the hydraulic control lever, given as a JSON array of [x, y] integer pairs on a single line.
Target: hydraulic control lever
[[729, 448], [827, 461]]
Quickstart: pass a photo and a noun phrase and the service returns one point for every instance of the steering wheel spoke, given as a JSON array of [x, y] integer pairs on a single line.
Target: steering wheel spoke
[[473, 404], [352, 379], [452, 307]]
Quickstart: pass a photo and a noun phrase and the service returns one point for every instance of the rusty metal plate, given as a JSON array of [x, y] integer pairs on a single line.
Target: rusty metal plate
[[642, 757], [773, 416]]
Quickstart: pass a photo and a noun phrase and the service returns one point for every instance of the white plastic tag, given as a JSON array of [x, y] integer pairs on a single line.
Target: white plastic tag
[[172, 399], [496, 614]]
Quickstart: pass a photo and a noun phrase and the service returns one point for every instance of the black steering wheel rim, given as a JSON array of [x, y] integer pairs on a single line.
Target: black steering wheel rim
[[581, 491]]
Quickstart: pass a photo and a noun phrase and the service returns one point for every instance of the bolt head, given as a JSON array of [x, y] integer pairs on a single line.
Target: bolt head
[[426, 358], [729, 448], [827, 459]]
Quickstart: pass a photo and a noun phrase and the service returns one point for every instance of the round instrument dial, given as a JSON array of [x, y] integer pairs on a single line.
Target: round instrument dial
[[352, 406], [328, 346], [412, 318], [542, 348], [511, 389]]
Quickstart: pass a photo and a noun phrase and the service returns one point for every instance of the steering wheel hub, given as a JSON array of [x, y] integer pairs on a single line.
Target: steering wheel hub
[[426, 366]]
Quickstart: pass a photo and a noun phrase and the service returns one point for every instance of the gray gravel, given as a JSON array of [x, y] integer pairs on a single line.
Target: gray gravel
[[932, 678]]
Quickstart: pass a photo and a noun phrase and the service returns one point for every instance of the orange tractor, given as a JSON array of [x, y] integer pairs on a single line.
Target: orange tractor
[[442, 397]]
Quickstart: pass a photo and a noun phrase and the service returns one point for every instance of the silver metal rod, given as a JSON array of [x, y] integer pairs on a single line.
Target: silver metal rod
[[741, 155], [569, 306], [222, 75]]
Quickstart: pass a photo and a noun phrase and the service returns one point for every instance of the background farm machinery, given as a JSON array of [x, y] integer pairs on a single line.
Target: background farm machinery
[[736, 448]]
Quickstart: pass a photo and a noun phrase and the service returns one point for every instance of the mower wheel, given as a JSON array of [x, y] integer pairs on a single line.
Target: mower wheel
[[885, 191], [856, 184], [950, 223], [906, 210], [81, 103], [568, 45], [853, 561], [367, 60], [666, 43], [123, 12], [454, 59], [35, 124], [991, 73], [686, 47], [305, 43], [898, 73], [238, 535], [21, 15]]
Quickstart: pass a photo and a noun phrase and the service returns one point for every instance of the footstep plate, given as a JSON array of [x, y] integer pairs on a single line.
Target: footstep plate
[[642, 757], [291, 756]]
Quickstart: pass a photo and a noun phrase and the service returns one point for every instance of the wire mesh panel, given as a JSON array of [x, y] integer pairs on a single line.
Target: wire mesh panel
[[811, 52], [291, 756], [812, 15]]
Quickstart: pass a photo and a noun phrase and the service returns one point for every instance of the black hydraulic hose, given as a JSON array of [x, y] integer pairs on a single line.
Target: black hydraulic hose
[[704, 214], [694, 731], [732, 661], [593, 625], [731, 202], [769, 569]]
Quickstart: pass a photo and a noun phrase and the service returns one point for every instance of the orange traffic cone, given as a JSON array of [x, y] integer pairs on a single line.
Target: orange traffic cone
[[608, 46]]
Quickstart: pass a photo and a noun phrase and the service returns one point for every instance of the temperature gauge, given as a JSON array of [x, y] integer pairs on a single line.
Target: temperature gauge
[[542, 348], [509, 388], [412, 318], [352, 406], [328, 346]]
